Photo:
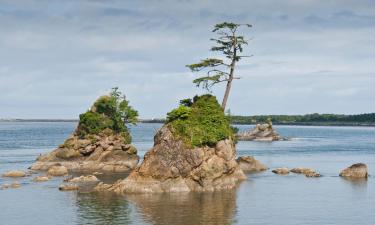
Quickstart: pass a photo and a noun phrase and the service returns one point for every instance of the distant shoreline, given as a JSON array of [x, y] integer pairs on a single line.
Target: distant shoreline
[[327, 123]]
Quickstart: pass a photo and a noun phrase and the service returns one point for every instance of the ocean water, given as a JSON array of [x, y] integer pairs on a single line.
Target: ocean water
[[264, 198]]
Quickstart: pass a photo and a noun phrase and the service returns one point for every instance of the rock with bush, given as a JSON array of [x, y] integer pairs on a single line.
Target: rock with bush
[[193, 151], [101, 141]]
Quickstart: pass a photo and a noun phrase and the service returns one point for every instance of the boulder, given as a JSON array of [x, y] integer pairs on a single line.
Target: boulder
[[68, 187], [250, 164], [89, 178], [358, 170], [261, 132], [14, 173], [57, 171], [281, 171], [41, 179], [171, 166]]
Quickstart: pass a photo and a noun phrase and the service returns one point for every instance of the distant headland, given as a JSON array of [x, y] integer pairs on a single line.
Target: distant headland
[[315, 119]]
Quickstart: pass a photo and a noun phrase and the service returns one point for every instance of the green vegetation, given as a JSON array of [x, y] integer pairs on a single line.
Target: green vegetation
[[309, 119], [110, 112], [230, 45], [200, 122]]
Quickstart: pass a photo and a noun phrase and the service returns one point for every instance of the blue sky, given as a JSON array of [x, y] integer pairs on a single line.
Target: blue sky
[[310, 56]]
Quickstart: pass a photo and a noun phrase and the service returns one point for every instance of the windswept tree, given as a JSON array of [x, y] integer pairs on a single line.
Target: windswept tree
[[230, 44]]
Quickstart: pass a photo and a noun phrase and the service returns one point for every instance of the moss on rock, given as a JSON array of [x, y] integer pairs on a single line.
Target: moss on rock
[[200, 122]]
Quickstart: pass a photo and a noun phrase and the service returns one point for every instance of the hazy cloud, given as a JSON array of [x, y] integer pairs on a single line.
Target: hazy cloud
[[309, 56]]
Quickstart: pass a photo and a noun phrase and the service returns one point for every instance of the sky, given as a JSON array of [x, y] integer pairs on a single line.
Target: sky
[[309, 56]]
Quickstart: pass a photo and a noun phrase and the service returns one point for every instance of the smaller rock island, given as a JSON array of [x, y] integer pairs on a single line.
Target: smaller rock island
[[261, 132], [101, 141]]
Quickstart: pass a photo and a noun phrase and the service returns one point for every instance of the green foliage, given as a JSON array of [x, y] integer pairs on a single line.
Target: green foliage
[[182, 112], [110, 112], [202, 124]]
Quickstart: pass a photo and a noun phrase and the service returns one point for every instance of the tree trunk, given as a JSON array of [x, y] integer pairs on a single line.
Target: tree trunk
[[231, 75]]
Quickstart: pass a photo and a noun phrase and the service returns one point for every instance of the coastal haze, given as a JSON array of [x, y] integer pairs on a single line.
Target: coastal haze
[[308, 56]]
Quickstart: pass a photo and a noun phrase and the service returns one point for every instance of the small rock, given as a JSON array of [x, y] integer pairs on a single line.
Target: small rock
[[15, 173], [68, 187], [282, 170], [57, 171], [40, 179], [358, 170], [89, 178], [97, 173], [312, 174]]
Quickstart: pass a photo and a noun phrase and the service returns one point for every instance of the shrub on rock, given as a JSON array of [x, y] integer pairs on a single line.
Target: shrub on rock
[[200, 122]]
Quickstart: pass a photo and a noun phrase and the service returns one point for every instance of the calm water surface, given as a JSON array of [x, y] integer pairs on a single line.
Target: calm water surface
[[265, 198]]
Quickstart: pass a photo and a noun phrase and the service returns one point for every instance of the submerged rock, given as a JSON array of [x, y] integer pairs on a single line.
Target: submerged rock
[[57, 170], [358, 170], [12, 185], [261, 132], [250, 164], [306, 171], [41, 179], [89, 178], [15, 173], [171, 166], [281, 171]]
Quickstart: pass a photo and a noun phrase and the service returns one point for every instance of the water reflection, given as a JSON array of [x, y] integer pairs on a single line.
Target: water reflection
[[102, 209], [186, 208], [359, 184]]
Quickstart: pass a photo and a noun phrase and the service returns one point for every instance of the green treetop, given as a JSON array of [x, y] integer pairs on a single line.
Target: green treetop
[[111, 112]]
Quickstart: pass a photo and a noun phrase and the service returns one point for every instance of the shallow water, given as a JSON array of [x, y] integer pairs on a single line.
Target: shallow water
[[265, 198]]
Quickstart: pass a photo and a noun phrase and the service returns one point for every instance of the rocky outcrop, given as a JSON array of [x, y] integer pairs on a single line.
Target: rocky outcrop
[[250, 164], [105, 152], [171, 166], [358, 170], [15, 173], [261, 132], [281, 171], [306, 171]]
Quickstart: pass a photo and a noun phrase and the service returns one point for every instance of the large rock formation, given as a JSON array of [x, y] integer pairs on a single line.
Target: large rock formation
[[261, 132], [358, 170], [103, 152], [101, 141], [172, 167]]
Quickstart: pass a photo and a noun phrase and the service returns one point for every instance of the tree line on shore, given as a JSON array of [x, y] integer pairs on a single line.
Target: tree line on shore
[[315, 118]]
